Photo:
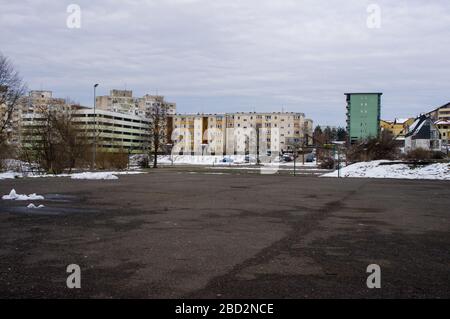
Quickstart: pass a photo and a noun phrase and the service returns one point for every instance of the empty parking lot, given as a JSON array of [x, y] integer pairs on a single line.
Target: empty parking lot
[[178, 233]]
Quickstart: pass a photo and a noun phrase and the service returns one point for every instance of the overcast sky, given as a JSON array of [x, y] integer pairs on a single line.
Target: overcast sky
[[230, 55]]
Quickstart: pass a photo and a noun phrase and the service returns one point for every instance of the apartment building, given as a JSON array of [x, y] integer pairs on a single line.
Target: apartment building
[[28, 108], [119, 123], [237, 133], [440, 113], [444, 128], [122, 101], [441, 118], [363, 115]]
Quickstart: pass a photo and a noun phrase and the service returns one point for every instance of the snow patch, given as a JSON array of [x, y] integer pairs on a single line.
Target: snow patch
[[31, 205], [96, 175], [373, 169], [8, 175], [14, 196]]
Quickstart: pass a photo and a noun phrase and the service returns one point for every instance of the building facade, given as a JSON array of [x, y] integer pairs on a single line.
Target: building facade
[[28, 108], [440, 113], [119, 124], [441, 118], [122, 101], [363, 115], [114, 131], [237, 133], [398, 127], [444, 128]]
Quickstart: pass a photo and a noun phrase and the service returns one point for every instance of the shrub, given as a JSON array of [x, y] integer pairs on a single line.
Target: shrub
[[418, 154], [437, 155], [110, 160], [327, 163], [384, 147], [143, 162]]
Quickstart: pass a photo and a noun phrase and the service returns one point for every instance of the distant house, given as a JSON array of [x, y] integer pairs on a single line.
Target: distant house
[[397, 127], [423, 133]]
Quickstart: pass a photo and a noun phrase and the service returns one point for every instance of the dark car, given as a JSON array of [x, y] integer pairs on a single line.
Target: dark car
[[310, 158]]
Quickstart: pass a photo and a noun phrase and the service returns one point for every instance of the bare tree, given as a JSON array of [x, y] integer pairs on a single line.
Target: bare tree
[[11, 89], [157, 116], [54, 141]]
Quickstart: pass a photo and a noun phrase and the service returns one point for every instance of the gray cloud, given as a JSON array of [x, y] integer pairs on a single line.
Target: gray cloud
[[226, 55]]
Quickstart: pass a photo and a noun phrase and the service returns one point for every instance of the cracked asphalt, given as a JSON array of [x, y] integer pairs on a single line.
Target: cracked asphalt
[[175, 234]]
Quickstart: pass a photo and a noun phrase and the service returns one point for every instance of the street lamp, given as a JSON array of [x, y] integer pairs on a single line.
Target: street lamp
[[94, 151]]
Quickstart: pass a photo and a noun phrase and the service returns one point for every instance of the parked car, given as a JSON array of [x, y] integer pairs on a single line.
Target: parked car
[[227, 160], [250, 158], [288, 157], [309, 158]]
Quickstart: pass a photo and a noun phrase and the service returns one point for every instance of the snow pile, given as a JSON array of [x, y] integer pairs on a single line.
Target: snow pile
[[7, 175], [225, 160], [373, 169], [84, 175], [199, 159], [14, 196], [34, 206], [127, 172], [96, 175]]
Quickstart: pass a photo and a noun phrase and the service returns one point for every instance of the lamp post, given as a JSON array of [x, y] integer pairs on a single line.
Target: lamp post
[[94, 151]]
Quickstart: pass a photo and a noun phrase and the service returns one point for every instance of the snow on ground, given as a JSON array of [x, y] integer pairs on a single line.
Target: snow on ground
[[31, 205], [94, 175], [14, 196], [220, 160], [101, 175], [200, 160], [270, 168], [373, 169], [83, 175], [7, 175]]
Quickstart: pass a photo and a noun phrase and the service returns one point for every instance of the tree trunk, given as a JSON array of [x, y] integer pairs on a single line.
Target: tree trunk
[[155, 159]]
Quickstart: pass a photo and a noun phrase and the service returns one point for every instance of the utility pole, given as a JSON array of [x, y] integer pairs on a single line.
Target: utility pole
[[257, 145], [94, 151], [295, 159]]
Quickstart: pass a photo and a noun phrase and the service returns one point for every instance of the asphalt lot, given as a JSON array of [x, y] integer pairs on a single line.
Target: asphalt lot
[[193, 233]]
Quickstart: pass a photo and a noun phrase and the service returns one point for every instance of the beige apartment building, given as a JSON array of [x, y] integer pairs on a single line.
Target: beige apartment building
[[441, 118], [28, 108], [236, 133], [122, 101]]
